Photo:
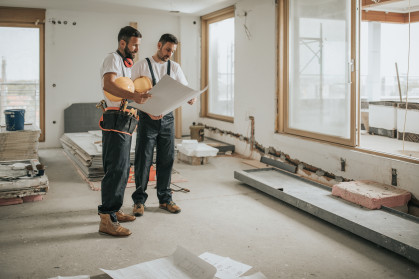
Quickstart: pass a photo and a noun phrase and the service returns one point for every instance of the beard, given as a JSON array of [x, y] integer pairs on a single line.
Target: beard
[[162, 57], [128, 53]]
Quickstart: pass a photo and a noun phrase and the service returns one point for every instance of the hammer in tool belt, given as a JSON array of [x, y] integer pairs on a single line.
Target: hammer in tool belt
[[101, 105]]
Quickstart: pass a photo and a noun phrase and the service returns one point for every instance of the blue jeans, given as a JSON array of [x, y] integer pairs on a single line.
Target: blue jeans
[[150, 134], [116, 164]]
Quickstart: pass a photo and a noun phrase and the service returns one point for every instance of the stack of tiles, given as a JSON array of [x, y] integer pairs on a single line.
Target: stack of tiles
[[19, 145]]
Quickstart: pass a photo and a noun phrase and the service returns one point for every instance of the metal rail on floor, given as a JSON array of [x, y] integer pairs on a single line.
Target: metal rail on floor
[[394, 232]]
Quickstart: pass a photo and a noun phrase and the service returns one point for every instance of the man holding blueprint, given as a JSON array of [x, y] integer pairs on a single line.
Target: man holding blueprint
[[157, 130]]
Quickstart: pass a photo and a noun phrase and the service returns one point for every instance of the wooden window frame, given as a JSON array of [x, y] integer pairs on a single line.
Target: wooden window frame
[[216, 16], [283, 83], [282, 77], [31, 18]]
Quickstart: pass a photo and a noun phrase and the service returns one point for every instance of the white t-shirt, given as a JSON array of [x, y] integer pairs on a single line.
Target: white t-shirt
[[159, 69], [113, 63]]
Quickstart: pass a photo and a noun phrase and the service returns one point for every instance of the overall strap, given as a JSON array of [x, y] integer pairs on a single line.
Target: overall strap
[[168, 67], [151, 71]]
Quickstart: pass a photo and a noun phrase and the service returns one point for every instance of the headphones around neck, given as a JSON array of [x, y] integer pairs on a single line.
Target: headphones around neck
[[127, 61]]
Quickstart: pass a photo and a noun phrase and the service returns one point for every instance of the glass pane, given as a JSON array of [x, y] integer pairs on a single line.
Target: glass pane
[[387, 73], [383, 45], [19, 81], [221, 67], [319, 85]]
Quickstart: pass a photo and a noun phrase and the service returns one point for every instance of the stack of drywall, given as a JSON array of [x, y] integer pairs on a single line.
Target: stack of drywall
[[85, 150], [19, 145]]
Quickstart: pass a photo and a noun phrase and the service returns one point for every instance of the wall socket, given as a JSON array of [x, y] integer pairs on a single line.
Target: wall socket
[[394, 177], [342, 164]]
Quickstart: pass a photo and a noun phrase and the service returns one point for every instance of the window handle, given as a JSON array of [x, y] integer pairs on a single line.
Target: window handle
[[350, 70]]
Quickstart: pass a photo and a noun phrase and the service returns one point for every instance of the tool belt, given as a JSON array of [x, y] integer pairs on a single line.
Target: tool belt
[[116, 120]]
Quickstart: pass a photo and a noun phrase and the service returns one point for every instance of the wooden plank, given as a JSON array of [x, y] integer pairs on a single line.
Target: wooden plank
[[383, 17], [135, 25], [22, 15], [178, 111], [371, 3]]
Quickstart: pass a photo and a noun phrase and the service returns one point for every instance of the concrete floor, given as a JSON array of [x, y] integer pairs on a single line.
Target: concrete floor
[[59, 235]]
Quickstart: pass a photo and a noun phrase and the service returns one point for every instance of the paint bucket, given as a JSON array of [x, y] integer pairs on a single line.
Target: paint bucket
[[15, 119]]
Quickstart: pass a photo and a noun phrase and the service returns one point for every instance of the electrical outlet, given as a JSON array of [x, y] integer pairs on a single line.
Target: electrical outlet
[[394, 177], [342, 164]]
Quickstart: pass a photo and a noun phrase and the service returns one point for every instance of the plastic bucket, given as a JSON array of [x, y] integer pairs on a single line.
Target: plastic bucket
[[15, 119]]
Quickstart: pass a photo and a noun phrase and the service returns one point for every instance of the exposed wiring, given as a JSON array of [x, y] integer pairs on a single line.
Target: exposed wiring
[[246, 30], [180, 189]]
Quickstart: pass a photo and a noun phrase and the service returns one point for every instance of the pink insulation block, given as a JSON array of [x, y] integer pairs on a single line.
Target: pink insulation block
[[371, 194]]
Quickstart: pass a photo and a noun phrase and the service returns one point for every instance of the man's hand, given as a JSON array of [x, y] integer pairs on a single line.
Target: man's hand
[[192, 101], [141, 97], [153, 117]]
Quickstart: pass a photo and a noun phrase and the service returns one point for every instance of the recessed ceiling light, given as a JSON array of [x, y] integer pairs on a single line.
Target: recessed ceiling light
[[175, 12]]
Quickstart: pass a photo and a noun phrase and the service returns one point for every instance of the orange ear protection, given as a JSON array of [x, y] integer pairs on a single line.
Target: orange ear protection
[[127, 61]]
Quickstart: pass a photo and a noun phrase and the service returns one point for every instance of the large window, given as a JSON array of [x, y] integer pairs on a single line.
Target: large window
[[218, 64], [22, 63], [347, 74], [389, 79], [318, 88]]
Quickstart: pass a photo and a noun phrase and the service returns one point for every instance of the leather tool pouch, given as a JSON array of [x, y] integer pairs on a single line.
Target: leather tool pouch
[[116, 120]]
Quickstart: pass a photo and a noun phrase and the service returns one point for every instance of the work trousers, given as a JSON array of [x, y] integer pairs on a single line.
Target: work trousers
[[150, 134], [116, 164]]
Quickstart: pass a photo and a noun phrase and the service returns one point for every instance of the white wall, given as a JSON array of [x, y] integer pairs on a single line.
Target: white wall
[[74, 54], [255, 94], [190, 30]]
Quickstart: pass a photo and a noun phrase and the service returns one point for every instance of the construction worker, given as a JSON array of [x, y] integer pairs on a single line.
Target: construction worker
[[156, 130], [116, 139]]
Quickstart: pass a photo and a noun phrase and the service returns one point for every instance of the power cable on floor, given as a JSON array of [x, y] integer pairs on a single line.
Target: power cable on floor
[[180, 189]]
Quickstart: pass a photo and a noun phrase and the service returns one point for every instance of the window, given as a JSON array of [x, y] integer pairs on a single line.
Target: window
[[218, 64], [389, 74], [22, 63], [318, 95], [343, 74]]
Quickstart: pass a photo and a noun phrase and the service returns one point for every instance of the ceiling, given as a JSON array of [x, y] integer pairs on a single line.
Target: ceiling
[[190, 7], [401, 6]]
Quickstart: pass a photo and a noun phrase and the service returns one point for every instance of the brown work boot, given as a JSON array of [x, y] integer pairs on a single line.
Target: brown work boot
[[138, 209], [112, 228], [122, 217], [171, 207]]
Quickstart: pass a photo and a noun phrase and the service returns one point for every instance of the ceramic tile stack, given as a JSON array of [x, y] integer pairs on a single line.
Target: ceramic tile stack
[[19, 145]]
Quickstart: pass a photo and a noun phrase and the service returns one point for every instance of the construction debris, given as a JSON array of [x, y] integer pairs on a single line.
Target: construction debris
[[19, 145], [22, 181]]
